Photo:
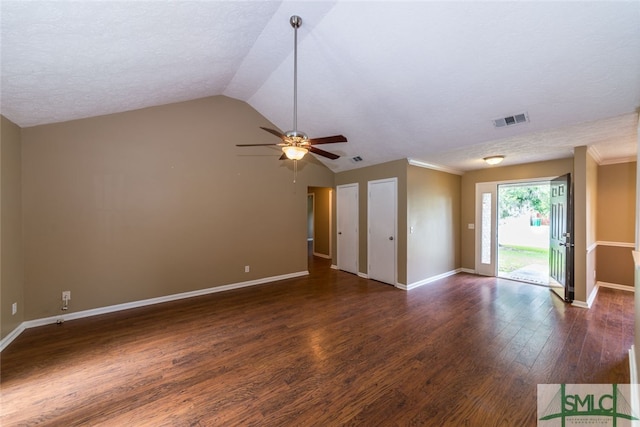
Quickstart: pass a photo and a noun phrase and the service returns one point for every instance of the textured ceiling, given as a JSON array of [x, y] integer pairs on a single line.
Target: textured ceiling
[[420, 80]]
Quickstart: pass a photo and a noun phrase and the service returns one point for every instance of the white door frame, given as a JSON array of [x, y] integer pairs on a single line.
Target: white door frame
[[330, 223], [395, 227], [486, 268], [492, 186]]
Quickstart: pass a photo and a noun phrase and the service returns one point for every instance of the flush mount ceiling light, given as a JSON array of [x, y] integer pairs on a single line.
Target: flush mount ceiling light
[[493, 160]]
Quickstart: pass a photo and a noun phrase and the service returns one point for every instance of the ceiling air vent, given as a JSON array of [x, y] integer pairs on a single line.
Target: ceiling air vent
[[516, 119], [356, 159]]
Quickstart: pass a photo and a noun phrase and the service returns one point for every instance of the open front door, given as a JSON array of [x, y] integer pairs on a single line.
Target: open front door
[[561, 237]]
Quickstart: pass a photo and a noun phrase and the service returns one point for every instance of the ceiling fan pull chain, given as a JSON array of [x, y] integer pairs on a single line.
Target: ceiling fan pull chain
[[295, 170]]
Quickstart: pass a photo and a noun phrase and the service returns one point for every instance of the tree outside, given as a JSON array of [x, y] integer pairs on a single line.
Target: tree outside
[[530, 199]]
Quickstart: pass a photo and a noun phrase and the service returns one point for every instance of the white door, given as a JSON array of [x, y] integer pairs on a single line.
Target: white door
[[382, 217], [347, 219], [486, 232]]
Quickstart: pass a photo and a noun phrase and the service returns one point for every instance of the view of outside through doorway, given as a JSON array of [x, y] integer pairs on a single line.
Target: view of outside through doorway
[[523, 232]]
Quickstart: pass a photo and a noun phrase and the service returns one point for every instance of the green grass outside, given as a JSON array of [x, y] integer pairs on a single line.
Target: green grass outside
[[511, 258]]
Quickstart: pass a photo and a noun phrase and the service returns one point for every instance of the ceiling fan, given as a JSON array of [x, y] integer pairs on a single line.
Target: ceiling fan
[[296, 144]]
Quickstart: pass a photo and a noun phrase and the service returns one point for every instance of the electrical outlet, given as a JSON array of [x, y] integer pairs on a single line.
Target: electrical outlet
[[14, 308], [66, 295], [247, 269]]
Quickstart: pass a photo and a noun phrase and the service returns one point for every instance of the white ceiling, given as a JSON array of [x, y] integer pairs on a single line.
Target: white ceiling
[[420, 80]]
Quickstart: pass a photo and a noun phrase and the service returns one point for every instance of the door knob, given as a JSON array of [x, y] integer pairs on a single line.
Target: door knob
[[339, 232], [391, 238]]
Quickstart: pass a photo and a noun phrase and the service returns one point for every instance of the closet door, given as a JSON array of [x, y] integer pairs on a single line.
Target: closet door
[[382, 219], [347, 219]]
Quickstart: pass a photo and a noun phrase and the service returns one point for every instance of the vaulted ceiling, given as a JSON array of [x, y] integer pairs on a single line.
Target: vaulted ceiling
[[420, 80]]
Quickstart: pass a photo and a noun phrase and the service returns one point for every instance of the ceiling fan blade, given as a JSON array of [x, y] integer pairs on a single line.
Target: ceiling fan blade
[[274, 132], [328, 140], [283, 157], [323, 153], [254, 145]]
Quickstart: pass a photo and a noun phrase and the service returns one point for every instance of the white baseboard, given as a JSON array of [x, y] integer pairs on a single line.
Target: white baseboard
[[363, 275], [335, 267], [593, 295], [141, 303], [11, 336], [616, 286], [580, 304], [590, 300], [429, 279], [467, 270]]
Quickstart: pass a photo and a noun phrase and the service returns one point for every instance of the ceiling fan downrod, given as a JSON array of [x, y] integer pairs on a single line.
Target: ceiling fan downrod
[[295, 22]]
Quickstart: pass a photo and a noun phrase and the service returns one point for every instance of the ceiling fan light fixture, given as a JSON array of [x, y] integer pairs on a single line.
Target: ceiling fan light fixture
[[494, 160], [294, 152]]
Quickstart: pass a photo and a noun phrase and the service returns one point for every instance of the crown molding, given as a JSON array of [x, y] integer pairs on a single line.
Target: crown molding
[[421, 164]]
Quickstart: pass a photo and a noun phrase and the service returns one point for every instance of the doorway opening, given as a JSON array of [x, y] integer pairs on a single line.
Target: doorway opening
[[550, 220], [523, 231], [319, 227]]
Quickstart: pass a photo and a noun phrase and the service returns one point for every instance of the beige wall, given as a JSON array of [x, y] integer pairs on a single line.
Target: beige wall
[[585, 184], [322, 221], [592, 200], [615, 265], [158, 201], [11, 258], [362, 176], [433, 210], [617, 202], [469, 180], [616, 214]]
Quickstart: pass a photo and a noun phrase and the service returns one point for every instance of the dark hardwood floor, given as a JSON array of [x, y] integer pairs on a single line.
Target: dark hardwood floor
[[324, 350]]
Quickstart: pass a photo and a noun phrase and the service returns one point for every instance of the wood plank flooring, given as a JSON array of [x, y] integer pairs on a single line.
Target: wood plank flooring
[[324, 350]]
